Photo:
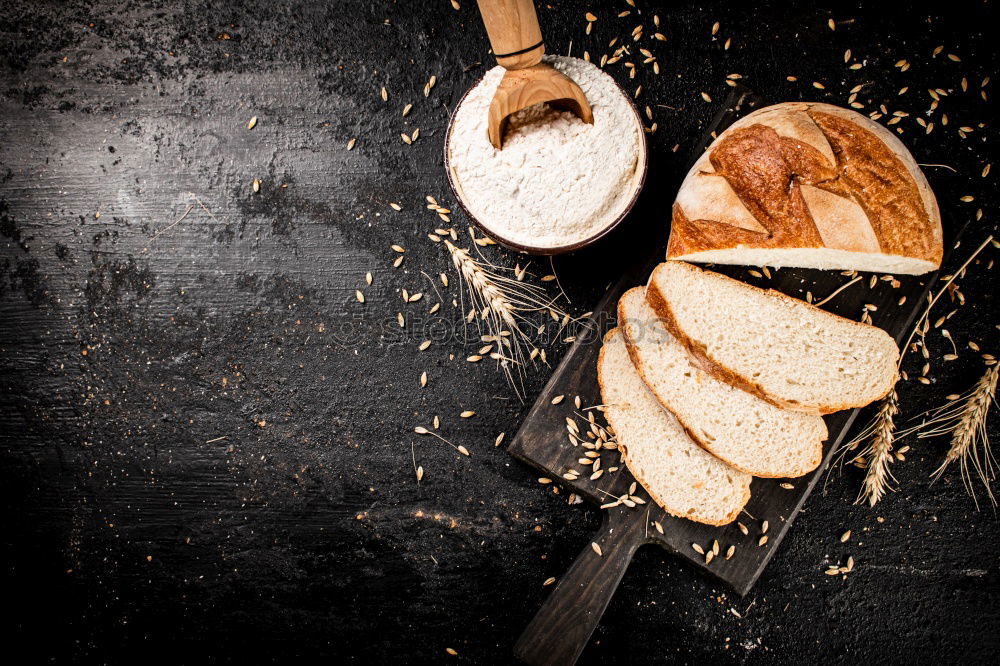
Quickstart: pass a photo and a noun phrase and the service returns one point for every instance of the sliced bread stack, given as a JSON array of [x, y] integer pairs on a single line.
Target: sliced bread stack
[[790, 353], [703, 363], [737, 427], [683, 478]]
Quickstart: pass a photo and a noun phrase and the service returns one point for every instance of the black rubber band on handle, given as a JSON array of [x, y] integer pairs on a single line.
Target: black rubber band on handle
[[514, 53]]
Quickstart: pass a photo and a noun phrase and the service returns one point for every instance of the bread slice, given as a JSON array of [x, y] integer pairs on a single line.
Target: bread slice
[[736, 427], [788, 352], [685, 480]]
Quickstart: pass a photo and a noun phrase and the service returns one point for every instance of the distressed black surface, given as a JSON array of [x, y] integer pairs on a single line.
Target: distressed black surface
[[127, 535]]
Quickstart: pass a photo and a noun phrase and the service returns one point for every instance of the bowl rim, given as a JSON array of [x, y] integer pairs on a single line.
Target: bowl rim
[[643, 167]]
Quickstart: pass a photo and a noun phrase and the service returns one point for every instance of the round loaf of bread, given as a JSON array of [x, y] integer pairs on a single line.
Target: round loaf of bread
[[810, 185]]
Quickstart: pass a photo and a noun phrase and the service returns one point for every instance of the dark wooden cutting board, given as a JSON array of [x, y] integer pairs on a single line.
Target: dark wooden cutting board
[[560, 630]]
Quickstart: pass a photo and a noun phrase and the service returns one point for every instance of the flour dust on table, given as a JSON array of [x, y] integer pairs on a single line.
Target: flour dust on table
[[557, 181]]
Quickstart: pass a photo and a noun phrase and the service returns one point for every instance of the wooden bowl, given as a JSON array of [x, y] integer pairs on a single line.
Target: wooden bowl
[[639, 178]]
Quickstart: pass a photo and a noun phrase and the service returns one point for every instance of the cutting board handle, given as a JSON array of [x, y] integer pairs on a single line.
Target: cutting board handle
[[561, 628]]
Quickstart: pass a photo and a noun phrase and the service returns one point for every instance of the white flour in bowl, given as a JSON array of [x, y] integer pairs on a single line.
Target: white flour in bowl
[[557, 180]]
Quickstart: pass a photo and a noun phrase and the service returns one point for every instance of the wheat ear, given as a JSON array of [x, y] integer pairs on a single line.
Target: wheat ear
[[965, 420], [877, 456], [881, 433], [502, 304]]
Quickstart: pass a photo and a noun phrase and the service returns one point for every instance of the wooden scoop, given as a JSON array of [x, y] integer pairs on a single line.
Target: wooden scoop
[[517, 43]]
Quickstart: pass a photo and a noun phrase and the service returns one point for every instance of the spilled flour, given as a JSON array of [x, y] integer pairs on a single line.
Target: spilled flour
[[557, 180]]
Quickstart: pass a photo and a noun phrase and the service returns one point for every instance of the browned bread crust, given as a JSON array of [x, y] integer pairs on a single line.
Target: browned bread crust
[[804, 175]]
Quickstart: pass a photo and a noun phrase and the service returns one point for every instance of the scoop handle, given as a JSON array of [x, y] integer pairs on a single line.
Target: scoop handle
[[514, 33]]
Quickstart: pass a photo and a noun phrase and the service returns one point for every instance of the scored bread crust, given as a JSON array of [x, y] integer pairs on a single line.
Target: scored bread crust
[[722, 373], [895, 218], [623, 449], [633, 353], [906, 157]]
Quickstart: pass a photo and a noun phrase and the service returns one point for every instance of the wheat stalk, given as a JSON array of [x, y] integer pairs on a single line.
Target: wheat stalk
[[964, 418], [483, 284], [931, 301], [502, 305], [877, 456]]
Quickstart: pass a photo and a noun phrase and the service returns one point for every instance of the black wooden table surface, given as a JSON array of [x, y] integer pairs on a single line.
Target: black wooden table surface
[[206, 441]]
